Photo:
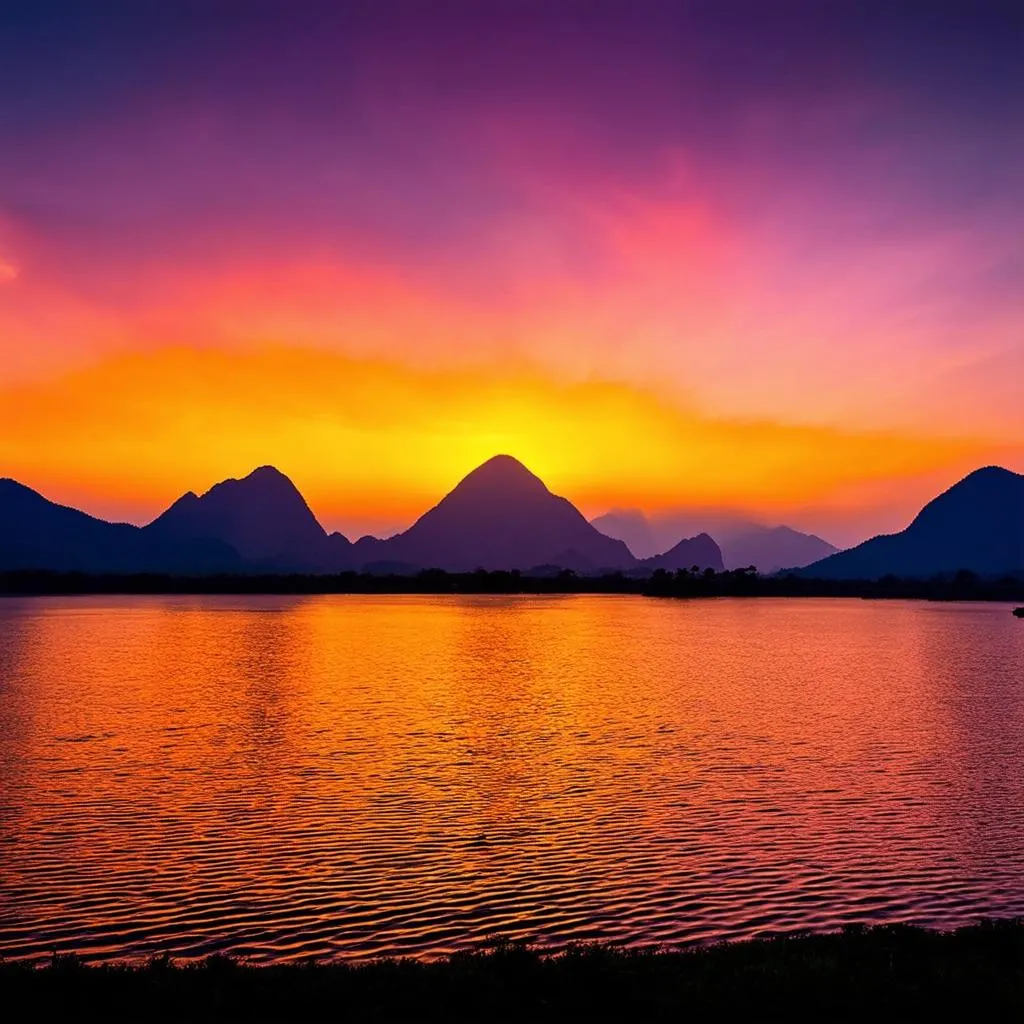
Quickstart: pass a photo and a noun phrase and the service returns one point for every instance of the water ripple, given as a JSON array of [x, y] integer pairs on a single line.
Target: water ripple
[[358, 777]]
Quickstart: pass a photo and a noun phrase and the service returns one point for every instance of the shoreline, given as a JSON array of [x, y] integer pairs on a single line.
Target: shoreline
[[734, 583], [884, 970]]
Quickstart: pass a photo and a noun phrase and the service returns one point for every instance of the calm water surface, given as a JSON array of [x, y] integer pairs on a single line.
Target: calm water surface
[[357, 776]]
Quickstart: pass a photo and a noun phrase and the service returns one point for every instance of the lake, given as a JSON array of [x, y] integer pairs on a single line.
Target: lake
[[361, 776]]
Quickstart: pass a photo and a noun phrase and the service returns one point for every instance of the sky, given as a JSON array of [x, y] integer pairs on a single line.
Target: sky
[[761, 256]]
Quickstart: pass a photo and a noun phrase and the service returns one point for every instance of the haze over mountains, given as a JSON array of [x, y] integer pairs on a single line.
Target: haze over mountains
[[742, 542], [500, 516]]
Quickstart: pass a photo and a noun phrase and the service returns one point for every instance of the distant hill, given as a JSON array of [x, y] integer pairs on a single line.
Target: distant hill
[[741, 541], [263, 517], [977, 525], [700, 551], [632, 527], [771, 548], [500, 516], [38, 534]]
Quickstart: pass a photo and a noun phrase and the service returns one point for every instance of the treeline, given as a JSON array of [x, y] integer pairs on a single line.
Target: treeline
[[963, 586], [884, 973]]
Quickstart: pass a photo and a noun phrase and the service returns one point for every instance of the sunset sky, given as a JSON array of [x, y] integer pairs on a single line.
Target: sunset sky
[[764, 256]]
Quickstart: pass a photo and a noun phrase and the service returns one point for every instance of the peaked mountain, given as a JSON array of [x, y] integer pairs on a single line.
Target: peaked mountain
[[700, 551], [39, 534], [500, 516], [263, 517], [978, 525]]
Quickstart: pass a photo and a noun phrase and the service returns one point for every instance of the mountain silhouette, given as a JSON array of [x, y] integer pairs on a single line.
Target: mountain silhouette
[[977, 525], [700, 551], [500, 516], [771, 548], [263, 517], [36, 533], [741, 541], [631, 526]]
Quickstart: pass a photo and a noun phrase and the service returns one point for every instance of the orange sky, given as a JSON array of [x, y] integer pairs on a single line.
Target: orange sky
[[372, 443], [663, 261], [376, 390]]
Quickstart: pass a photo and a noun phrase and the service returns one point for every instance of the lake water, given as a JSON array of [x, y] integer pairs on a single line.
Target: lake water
[[358, 776]]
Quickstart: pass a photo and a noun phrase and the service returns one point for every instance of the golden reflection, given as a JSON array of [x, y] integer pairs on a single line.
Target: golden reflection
[[363, 775]]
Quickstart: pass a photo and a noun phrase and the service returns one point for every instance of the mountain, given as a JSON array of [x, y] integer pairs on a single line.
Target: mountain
[[38, 534], [700, 551], [263, 517], [632, 527], [742, 542], [771, 548], [500, 516], [978, 525]]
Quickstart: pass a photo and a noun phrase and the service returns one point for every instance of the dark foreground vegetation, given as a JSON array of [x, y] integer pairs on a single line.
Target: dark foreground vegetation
[[900, 972], [961, 586]]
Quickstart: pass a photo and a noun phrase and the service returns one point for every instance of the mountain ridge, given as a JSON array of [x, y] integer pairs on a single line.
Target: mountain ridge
[[36, 533], [499, 516], [976, 525], [262, 515], [742, 542]]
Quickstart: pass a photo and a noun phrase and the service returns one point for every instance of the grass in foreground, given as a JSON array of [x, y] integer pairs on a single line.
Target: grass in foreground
[[894, 971]]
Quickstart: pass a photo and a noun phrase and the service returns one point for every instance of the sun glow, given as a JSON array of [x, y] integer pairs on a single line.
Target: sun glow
[[368, 439]]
